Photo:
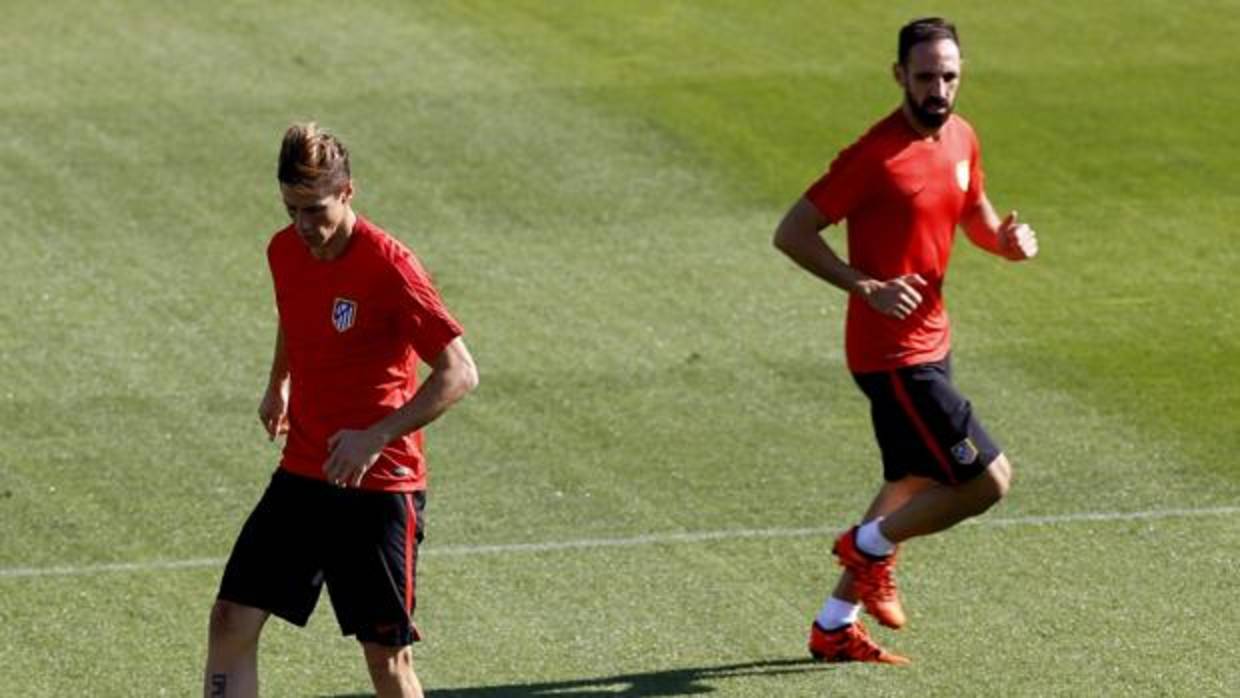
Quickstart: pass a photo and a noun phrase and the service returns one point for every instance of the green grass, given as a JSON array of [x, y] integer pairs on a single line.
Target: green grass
[[594, 189]]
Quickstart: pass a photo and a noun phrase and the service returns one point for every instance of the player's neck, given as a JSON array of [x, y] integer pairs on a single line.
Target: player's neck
[[340, 240]]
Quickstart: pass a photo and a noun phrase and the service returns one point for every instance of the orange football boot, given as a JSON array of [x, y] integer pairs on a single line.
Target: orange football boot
[[850, 643], [872, 580]]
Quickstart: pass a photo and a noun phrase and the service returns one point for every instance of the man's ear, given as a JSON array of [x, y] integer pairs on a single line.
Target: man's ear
[[897, 72]]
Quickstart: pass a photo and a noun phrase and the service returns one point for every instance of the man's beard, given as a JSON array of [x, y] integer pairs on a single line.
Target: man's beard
[[923, 115]]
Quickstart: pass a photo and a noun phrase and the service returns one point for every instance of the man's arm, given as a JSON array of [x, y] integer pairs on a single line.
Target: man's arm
[[273, 408], [1007, 238], [799, 236], [452, 376]]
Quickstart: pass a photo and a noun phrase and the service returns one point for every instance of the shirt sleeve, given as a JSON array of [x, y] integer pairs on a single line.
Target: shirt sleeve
[[843, 187], [420, 311]]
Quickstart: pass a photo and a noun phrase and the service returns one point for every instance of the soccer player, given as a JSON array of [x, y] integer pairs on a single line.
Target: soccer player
[[344, 508], [903, 189]]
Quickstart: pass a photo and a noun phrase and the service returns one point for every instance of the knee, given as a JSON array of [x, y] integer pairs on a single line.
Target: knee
[[234, 624], [997, 480]]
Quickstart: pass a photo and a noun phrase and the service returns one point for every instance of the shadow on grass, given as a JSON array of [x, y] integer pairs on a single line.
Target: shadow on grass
[[673, 682]]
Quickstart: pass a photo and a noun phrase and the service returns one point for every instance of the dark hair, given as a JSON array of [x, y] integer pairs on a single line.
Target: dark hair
[[313, 158], [926, 29]]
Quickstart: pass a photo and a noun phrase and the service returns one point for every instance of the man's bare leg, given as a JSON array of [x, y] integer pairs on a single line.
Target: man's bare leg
[[391, 671], [232, 650], [939, 508]]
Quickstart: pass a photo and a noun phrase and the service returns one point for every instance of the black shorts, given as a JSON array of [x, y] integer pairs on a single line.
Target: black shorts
[[362, 544], [925, 426]]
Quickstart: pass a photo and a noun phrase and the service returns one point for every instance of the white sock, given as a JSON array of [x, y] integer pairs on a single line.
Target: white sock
[[871, 540], [836, 613]]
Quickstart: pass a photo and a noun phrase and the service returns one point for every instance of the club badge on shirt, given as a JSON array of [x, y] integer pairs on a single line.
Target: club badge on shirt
[[344, 312], [962, 175]]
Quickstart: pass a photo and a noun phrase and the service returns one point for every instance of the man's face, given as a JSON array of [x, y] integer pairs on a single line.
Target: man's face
[[318, 214], [930, 79]]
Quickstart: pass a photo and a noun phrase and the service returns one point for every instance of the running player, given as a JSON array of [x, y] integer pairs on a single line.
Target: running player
[[903, 189]]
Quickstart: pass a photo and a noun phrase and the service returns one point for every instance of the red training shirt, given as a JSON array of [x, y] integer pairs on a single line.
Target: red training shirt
[[903, 196], [354, 329]]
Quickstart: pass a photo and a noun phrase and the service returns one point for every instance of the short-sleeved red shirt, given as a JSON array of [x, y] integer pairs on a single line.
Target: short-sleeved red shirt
[[354, 328], [903, 196]]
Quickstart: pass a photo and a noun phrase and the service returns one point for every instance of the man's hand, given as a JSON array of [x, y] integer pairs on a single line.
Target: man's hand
[[1017, 241], [897, 297], [273, 410], [352, 454]]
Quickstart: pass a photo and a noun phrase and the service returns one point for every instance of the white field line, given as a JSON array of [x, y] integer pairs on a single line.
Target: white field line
[[634, 541]]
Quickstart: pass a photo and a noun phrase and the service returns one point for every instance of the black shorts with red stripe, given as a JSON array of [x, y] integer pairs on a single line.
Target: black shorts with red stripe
[[363, 545], [924, 426]]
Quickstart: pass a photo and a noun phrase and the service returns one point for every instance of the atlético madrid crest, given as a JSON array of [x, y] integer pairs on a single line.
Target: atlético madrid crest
[[965, 452], [962, 175], [344, 313]]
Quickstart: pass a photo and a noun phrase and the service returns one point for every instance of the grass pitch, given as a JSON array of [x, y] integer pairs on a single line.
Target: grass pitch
[[594, 189]]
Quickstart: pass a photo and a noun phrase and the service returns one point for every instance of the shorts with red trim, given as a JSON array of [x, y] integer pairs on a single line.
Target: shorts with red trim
[[924, 426], [363, 545]]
